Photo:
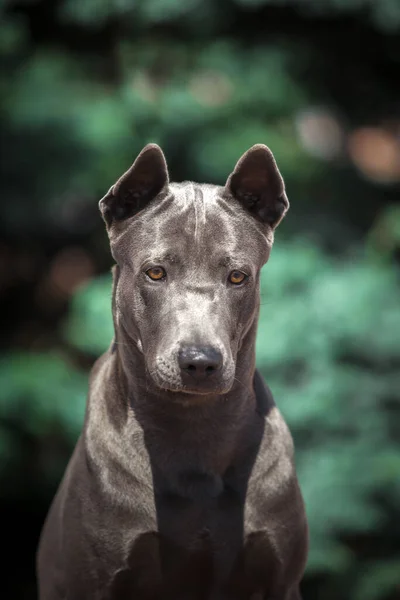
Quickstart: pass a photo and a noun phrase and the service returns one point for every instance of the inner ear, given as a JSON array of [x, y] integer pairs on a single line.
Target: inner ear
[[258, 185], [145, 179]]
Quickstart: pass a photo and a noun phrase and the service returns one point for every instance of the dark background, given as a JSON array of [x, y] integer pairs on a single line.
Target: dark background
[[83, 86]]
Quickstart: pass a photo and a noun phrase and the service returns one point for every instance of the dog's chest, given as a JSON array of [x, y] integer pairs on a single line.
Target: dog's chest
[[199, 551]]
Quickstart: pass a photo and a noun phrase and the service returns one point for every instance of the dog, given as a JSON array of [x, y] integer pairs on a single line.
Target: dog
[[182, 485]]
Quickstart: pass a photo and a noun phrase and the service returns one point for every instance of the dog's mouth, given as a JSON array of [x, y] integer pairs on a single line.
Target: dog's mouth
[[197, 390], [184, 385], [203, 389]]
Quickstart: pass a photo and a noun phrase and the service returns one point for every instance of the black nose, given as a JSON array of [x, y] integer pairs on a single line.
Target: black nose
[[199, 361]]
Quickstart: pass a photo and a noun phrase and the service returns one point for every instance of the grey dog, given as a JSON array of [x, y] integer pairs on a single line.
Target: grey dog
[[182, 485]]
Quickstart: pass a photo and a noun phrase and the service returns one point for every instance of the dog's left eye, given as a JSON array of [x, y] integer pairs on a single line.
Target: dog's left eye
[[237, 277], [156, 273]]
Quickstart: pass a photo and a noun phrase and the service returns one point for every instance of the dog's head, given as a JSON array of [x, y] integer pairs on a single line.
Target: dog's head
[[189, 257]]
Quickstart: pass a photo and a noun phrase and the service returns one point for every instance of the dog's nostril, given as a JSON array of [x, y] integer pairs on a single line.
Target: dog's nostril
[[200, 361]]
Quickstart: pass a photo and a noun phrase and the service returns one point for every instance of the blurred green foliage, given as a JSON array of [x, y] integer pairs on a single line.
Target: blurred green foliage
[[84, 85], [44, 392], [102, 84], [210, 100]]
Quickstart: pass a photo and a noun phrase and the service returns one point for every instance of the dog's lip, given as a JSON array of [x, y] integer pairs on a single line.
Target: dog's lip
[[189, 387], [196, 391]]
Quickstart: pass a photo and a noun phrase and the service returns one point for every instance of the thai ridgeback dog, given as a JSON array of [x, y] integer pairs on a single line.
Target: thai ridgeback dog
[[182, 485]]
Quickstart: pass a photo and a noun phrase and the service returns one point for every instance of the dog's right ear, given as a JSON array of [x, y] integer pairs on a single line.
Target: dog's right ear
[[137, 187]]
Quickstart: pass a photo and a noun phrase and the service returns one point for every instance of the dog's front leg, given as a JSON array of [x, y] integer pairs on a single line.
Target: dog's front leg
[[292, 594]]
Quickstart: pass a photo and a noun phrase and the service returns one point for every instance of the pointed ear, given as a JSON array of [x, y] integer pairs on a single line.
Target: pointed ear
[[134, 189], [258, 185]]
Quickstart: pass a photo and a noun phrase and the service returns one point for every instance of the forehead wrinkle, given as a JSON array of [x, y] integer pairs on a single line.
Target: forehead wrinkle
[[165, 257], [240, 240], [199, 206], [233, 261], [193, 198], [169, 238], [195, 195], [203, 203], [225, 231]]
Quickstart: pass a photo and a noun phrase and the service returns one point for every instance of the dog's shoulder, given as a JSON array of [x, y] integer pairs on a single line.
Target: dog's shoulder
[[277, 442]]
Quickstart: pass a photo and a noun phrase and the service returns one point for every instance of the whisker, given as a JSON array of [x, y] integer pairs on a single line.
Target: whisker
[[238, 380]]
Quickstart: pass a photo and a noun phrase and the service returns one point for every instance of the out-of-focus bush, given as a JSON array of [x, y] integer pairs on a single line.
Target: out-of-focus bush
[[74, 117]]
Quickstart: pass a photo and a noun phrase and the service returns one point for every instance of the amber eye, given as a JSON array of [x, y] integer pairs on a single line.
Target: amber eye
[[237, 277], [156, 273]]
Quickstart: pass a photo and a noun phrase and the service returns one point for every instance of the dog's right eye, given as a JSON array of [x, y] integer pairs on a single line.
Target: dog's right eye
[[237, 277], [156, 273]]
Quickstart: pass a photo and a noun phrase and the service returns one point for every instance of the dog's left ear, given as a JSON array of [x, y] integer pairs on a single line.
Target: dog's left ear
[[258, 185], [137, 187]]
